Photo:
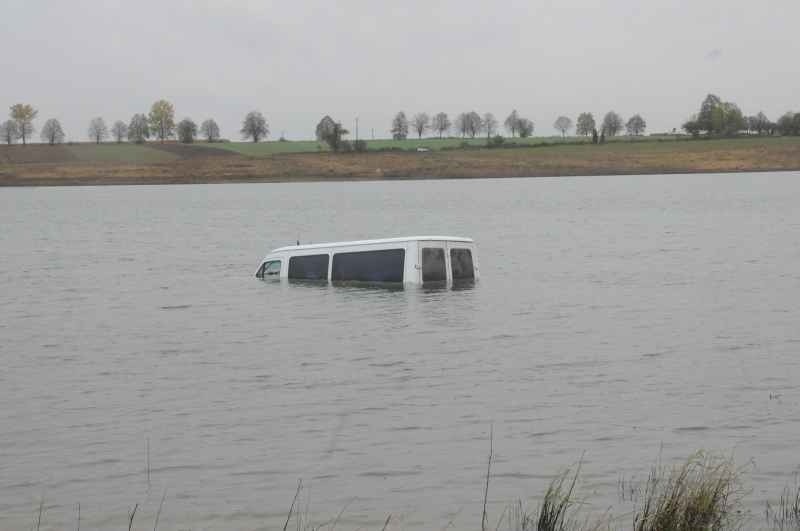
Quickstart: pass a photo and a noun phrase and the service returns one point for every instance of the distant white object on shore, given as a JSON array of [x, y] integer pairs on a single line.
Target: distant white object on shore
[[422, 150]]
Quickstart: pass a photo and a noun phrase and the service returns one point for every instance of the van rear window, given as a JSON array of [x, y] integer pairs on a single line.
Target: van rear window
[[461, 262], [369, 266], [311, 267]]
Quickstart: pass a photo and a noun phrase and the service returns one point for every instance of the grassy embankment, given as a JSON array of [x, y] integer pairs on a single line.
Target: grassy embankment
[[309, 161]]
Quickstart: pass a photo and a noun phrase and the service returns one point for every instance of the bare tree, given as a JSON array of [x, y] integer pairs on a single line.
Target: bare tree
[[512, 123], [586, 125], [759, 123], [98, 130], [789, 124], [324, 128], [563, 124], [119, 131], [709, 110], [400, 126], [187, 131], [489, 123], [162, 120], [441, 123], [692, 126], [475, 124], [636, 125], [462, 124], [254, 126], [612, 123], [525, 127], [469, 124], [52, 133], [332, 133], [210, 130], [139, 129], [23, 115], [8, 132], [421, 122]]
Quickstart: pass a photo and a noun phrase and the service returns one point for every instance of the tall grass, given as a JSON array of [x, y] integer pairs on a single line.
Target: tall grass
[[701, 494], [558, 510], [557, 501], [785, 516]]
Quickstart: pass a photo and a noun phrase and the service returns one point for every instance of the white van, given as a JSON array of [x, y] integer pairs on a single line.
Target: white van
[[410, 260]]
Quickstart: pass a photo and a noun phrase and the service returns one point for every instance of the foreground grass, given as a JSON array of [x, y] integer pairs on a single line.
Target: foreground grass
[[703, 493]]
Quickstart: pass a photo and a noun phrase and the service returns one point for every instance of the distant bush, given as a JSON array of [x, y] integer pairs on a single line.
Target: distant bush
[[495, 141], [360, 146]]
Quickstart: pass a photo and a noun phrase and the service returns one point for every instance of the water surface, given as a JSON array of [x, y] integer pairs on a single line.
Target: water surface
[[619, 318]]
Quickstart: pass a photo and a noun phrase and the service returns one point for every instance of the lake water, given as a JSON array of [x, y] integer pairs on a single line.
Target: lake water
[[618, 318]]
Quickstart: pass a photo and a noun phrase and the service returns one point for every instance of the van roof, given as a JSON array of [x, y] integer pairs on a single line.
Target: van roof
[[372, 242]]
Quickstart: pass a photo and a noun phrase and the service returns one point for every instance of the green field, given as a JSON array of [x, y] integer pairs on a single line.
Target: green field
[[121, 153], [265, 149]]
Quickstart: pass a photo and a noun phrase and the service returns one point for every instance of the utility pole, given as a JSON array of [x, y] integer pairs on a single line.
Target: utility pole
[[356, 128]]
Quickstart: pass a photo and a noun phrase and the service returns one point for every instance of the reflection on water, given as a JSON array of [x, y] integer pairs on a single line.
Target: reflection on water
[[463, 285], [620, 318], [362, 286]]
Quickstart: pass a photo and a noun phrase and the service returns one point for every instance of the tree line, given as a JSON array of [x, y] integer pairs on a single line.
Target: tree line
[[471, 125], [159, 124], [715, 118], [724, 118], [466, 124]]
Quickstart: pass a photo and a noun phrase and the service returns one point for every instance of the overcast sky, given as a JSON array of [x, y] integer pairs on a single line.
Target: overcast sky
[[298, 60]]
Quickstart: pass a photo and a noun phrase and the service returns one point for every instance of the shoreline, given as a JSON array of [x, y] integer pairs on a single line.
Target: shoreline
[[40, 165], [144, 181]]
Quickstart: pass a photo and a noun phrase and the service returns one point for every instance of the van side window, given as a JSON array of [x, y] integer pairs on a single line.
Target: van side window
[[461, 262], [433, 266], [270, 267], [369, 266], [312, 267]]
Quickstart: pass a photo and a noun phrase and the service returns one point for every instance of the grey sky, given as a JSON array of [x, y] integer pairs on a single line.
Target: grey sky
[[296, 61]]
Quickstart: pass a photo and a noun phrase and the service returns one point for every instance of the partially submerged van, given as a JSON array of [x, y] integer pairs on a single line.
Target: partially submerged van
[[409, 260]]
